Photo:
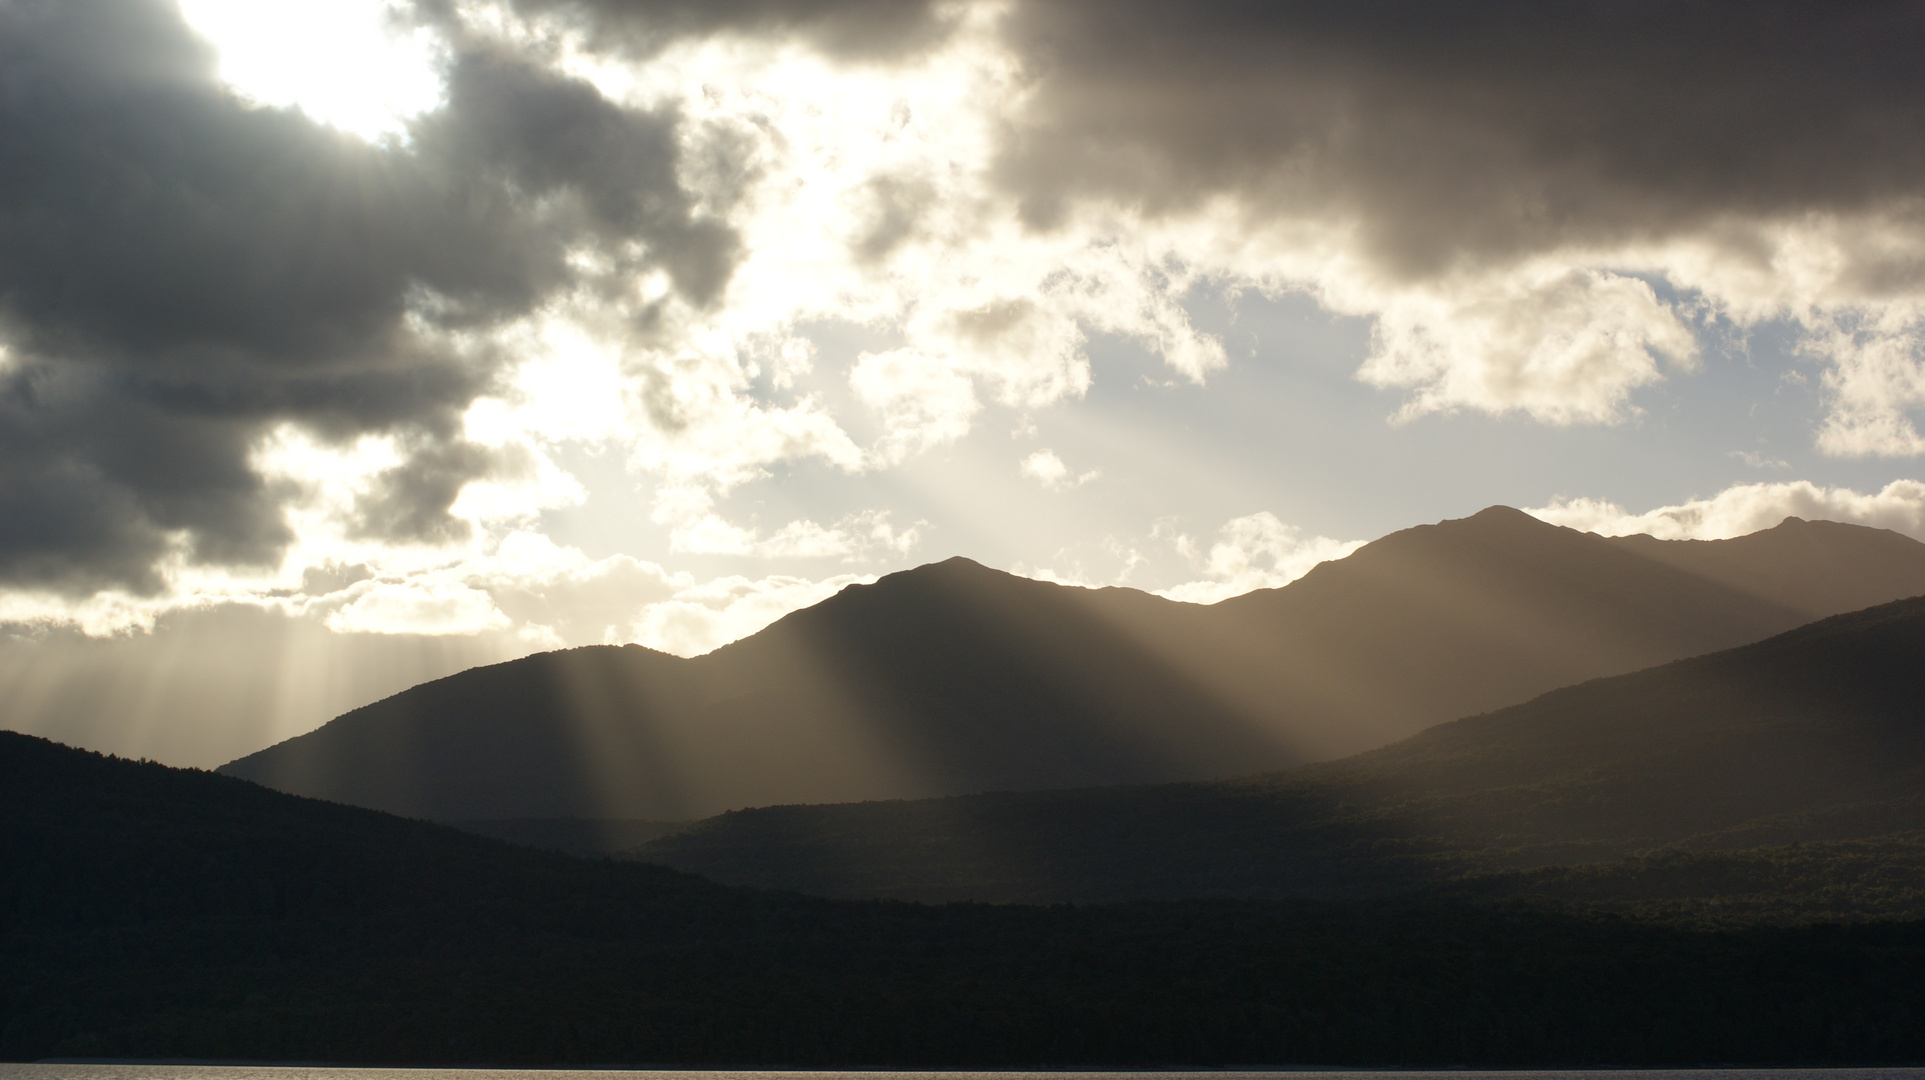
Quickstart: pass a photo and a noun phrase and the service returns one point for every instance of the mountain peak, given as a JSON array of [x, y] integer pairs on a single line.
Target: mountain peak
[[961, 563], [954, 568], [1500, 516]]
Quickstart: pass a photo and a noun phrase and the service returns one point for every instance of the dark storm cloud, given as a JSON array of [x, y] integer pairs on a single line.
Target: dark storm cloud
[[1449, 132], [536, 132], [1458, 132], [147, 215], [411, 501], [179, 270], [93, 479]]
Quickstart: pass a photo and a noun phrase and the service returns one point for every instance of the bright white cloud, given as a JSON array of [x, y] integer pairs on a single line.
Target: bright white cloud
[[1565, 345], [923, 402], [1747, 508], [566, 383], [1047, 469], [1255, 552], [1876, 382]]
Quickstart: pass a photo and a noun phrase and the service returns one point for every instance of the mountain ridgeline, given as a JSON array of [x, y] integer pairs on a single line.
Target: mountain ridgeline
[[952, 678], [1783, 780]]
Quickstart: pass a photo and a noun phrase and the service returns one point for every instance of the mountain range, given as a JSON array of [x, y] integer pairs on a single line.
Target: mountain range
[[1449, 895], [1783, 779], [953, 679]]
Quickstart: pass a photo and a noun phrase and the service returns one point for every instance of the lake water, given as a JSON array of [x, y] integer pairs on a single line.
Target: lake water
[[120, 1071]]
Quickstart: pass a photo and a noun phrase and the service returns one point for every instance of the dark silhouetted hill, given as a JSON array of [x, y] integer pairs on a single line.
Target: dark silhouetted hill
[[1442, 621], [953, 678], [154, 913], [1783, 779], [950, 677], [588, 837]]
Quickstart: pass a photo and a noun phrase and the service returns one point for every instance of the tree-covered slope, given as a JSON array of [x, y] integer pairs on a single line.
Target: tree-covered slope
[[147, 912]]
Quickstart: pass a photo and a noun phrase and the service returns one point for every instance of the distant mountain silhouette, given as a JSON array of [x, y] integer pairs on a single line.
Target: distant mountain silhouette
[[1447, 620], [1788, 775], [953, 678]]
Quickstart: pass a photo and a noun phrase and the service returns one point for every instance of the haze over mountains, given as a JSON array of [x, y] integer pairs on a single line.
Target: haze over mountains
[[1788, 775], [953, 678]]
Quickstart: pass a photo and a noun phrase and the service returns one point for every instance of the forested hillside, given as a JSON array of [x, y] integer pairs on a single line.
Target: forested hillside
[[148, 912]]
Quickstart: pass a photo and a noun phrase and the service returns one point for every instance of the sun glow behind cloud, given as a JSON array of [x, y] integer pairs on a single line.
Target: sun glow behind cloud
[[862, 197], [352, 64]]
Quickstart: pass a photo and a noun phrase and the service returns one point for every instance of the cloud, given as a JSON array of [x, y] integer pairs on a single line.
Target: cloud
[[545, 595], [854, 29], [287, 54], [605, 172], [667, 229], [409, 608], [709, 616], [1565, 346], [555, 596], [1047, 469], [412, 500], [923, 402], [1759, 460], [1877, 378], [864, 199], [1452, 135], [856, 536], [1747, 508], [182, 272], [1256, 552], [1480, 178], [239, 343]]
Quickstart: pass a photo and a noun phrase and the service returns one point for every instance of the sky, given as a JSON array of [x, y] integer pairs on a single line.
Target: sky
[[348, 343]]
